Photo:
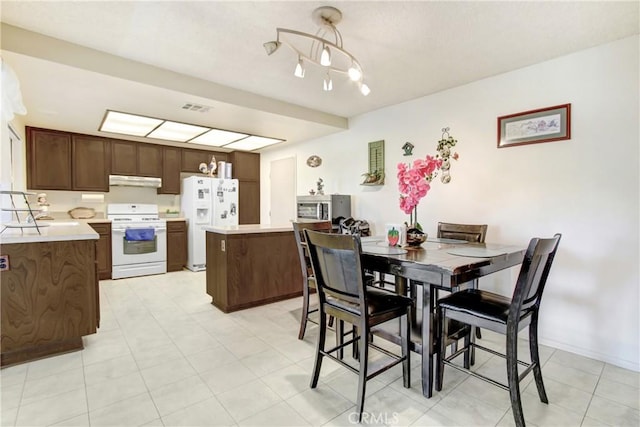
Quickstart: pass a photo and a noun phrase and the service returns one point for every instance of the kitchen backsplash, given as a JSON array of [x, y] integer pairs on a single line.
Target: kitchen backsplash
[[63, 201]]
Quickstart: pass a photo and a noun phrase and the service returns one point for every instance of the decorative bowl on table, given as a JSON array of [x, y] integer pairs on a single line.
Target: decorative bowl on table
[[415, 237]]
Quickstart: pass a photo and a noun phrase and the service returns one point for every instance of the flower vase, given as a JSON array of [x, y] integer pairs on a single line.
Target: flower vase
[[415, 236]]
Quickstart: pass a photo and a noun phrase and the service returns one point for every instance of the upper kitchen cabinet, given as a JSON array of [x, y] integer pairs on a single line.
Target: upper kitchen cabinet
[[124, 157], [171, 162], [149, 160], [192, 158], [91, 158], [48, 159], [246, 169], [246, 166], [136, 159]]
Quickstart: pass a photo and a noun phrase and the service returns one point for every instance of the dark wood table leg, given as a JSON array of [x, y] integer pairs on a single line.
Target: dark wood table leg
[[427, 341]]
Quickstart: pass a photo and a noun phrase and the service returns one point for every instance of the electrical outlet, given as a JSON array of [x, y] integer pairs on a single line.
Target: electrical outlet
[[4, 262]]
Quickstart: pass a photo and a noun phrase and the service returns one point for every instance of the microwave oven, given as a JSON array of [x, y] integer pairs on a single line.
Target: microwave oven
[[329, 207]]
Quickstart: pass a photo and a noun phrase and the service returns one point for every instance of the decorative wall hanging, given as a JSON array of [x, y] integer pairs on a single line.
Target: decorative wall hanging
[[375, 176], [314, 161], [408, 149], [534, 126]]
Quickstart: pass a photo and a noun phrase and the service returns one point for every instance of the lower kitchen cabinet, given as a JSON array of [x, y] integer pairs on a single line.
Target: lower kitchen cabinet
[[49, 299], [176, 245], [103, 254]]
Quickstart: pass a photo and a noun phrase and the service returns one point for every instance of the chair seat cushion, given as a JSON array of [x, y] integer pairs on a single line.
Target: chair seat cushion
[[475, 302], [379, 302]]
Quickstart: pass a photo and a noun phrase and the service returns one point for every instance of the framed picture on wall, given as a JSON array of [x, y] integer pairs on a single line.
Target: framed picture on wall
[[535, 126]]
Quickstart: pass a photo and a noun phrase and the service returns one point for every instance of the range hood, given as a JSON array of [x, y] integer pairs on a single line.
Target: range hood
[[135, 181]]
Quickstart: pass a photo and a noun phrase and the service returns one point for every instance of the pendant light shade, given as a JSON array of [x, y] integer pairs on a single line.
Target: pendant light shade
[[328, 83], [325, 57], [299, 72]]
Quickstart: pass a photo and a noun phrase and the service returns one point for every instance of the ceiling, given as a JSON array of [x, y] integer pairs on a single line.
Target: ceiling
[[76, 59]]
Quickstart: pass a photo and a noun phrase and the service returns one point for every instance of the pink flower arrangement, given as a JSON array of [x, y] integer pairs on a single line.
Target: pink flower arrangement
[[414, 182]]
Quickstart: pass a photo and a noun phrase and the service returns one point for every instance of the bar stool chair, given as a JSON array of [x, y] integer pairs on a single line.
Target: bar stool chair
[[474, 233], [308, 281], [506, 316], [343, 293]]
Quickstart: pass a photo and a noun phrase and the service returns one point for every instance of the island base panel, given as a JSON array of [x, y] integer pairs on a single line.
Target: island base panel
[[40, 351], [247, 270]]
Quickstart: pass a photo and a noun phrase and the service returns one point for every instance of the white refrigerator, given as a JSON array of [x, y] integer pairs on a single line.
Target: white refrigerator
[[206, 202]]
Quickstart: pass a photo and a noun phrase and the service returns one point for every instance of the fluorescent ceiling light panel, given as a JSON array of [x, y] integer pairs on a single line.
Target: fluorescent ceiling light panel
[[174, 131], [253, 143], [128, 124], [217, 137]]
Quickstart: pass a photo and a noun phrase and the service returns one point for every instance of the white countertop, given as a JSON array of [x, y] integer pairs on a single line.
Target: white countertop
[[250, 228], [50, 231]]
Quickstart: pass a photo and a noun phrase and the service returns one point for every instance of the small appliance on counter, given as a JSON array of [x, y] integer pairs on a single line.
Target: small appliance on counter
[[330, 207]]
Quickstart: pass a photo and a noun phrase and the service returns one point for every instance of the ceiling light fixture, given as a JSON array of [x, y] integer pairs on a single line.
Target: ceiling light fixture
[[324, 48], [151, 127]]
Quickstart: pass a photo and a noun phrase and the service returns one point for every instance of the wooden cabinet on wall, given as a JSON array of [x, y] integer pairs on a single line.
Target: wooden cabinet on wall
[[171, 159], [149, 160], [191, 158], [91, 157], [136, 159], [48, 159], [103, 249], [176, 245], [59, 160], [246, 168], [124, 157]]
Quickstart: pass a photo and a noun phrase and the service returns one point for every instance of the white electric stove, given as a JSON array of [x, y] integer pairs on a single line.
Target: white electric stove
[[138, 240]]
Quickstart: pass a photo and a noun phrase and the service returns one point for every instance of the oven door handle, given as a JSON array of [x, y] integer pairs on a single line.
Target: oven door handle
[[122, 230]]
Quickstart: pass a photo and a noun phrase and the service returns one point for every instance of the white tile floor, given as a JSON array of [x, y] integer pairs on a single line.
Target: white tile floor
[[164, 356]]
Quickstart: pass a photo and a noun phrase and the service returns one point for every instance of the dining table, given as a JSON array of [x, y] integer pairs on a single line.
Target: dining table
[[445, 264]]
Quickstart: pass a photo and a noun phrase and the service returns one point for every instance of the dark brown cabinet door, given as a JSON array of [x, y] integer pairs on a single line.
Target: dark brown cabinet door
[[191, 159], [171, 160], [48, 159], [176, 245], [246, 166], [149, 160], [124, 157], [249, 202], [103, 253], [91, 163]]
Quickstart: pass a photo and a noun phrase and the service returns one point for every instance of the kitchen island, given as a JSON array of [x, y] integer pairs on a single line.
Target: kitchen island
[[250, 265], [49, 297]]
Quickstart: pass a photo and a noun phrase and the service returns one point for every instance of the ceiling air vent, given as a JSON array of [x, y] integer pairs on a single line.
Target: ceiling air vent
[[196, 107]]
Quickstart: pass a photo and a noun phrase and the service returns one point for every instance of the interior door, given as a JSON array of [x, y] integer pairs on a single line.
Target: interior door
[[283, 190]]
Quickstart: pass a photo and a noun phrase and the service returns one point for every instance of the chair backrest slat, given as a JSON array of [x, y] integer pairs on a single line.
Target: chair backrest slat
[[469, 232]]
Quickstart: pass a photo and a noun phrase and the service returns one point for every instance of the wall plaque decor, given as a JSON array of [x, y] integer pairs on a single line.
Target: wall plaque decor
[[375, 176], [314, 161], [534, 126]]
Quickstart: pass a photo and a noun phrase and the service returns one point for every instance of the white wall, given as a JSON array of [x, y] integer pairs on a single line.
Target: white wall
[[586, 188]]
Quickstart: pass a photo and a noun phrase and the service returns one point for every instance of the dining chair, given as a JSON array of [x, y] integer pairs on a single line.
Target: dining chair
[[506, 316], [308, 281], [474, 233], [344, 294]]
